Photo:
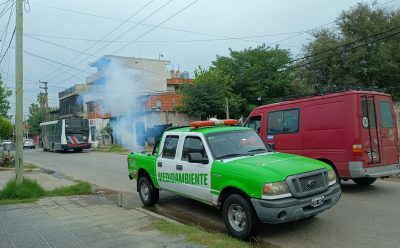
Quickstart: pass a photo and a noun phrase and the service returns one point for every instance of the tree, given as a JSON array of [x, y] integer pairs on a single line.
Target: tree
[[36, 116], [5, 93], [247, 78], [6, 128], [362, 52], [206, 96]]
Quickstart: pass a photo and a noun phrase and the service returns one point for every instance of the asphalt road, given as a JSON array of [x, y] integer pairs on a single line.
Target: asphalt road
[[364, 216]]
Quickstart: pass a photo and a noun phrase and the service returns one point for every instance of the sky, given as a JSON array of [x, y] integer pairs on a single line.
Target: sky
[[62, 37]]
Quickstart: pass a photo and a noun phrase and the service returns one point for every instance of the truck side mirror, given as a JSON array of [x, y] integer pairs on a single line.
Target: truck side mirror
[[196, 157], [271, 147], [155, 148]]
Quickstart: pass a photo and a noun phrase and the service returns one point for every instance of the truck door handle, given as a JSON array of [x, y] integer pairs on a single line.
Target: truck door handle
[[159, 164], [179, 167]]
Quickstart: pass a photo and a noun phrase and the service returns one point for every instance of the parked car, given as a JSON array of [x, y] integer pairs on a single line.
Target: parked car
[[28, 143], [7, 145], [354, 131], [6, 142]]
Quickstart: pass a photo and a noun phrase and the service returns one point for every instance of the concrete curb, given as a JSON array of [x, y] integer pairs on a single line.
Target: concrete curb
[[157, 216]]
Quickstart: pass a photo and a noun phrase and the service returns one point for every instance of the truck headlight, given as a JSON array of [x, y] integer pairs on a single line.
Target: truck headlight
[[276, 190], [332, 177]]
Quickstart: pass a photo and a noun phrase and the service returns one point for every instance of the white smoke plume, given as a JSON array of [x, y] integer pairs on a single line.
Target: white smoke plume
[[119, 90]]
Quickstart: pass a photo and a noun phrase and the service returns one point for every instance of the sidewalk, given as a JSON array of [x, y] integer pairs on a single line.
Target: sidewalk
[[77, 221]]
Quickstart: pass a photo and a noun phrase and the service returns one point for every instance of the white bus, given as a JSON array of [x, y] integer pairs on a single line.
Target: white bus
[[65, 134]]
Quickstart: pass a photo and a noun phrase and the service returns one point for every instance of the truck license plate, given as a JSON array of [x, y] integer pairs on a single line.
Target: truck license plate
[[317, 201]]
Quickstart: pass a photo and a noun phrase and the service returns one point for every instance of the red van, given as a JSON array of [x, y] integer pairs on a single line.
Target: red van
[[354, 131]]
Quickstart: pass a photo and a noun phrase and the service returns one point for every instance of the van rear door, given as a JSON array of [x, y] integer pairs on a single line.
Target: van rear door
[[370, 131], [378, 132], [388, 131]]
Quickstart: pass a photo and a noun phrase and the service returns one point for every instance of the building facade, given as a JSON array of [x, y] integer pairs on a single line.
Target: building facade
[[71, 100], [156, 91]]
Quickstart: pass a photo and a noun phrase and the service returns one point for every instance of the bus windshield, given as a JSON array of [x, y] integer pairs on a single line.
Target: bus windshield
[[76, 126]]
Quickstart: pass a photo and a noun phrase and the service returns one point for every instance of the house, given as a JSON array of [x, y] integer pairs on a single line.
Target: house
[[156, 96], [72, 102]]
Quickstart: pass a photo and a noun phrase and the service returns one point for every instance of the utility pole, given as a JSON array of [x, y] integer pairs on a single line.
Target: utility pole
[[19, 93], [46, 98], [227, 108]]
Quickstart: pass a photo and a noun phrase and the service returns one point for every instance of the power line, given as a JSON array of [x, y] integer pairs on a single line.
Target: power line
[[58, 45], [6, 8], [321, 26], [55, 62], [345, 45], [106, 35], [105, 46], [145, 24], [240, 38], [4, 34], [345, 51], [8, 47]]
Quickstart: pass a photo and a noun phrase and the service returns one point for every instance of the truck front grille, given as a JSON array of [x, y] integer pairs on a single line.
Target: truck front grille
[[317, 182], [309, 183]]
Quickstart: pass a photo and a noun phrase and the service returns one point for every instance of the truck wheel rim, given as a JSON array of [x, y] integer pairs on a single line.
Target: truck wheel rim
[[237, 217], [144, 190]]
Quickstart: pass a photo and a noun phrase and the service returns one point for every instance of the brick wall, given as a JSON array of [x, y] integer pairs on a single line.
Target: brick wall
[[169, 101]]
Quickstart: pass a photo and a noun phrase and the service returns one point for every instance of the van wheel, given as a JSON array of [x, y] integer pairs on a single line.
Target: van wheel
[[239, 217], [364, 181], [149, 194]]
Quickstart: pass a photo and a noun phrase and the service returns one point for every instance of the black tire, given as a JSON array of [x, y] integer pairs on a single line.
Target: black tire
[[149, 194], [364, 181], [239, 217], [78, 150]]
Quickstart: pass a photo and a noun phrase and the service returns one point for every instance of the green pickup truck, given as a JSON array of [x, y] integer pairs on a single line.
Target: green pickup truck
[[231, 168]]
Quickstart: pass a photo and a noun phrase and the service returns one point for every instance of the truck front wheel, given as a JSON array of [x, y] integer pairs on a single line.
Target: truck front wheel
[[148, 193], [364, 181], [239, 216]]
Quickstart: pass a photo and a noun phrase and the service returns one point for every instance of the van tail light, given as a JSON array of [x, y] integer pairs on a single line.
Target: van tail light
[[357, 149]]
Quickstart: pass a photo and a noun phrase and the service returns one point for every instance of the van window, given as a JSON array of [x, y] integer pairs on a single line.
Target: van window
[[386, 114], [170, 144], [254, 122], [368, 117], [286, 121]]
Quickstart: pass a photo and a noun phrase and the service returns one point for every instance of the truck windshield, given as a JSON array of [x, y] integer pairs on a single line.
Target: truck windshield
[[235, 143]]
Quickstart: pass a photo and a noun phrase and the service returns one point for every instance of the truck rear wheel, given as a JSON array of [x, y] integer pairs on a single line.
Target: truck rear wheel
[[364, 181], [239, 217], [148, 193]]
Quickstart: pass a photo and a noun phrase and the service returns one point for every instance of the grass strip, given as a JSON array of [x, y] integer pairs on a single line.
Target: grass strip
[[81, 188], [197, 235], [30, 191], [114, 149]]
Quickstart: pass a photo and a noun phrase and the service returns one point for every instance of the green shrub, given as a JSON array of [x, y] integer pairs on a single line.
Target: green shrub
[[29, 189]]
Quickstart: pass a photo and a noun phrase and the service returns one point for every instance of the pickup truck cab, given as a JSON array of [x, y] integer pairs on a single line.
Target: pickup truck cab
[[231, 168]]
